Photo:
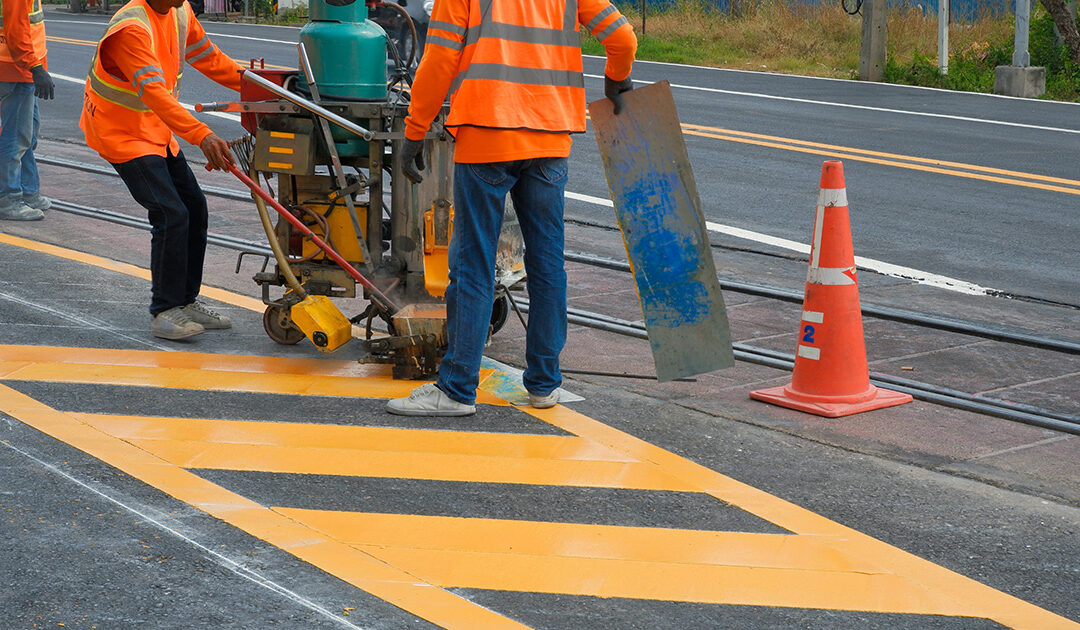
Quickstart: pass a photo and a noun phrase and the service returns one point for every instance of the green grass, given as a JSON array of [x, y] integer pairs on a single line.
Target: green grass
[[822, 40]]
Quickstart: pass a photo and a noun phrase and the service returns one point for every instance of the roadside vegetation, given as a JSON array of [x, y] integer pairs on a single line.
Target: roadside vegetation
[[822, 40]]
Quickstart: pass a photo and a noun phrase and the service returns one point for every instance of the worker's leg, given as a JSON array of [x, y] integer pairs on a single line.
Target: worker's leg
[[28, 172], [17, 104], [150, 182], [195, 202], [538, 198], [479, 198]]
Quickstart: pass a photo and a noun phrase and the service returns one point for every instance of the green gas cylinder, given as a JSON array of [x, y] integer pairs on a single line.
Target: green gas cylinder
[[347, 51]]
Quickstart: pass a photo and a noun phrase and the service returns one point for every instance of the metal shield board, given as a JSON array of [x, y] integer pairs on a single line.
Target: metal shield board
[[663, 228]]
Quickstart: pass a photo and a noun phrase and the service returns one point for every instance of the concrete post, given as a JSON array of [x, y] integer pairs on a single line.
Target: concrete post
[[872, 51], [1021, 78], [943, 36]]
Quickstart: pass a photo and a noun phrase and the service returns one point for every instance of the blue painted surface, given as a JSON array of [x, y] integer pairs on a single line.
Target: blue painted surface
[[961, 9], [665, 254]]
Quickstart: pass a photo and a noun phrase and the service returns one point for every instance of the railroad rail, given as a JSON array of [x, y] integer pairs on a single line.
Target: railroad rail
[[1004, 409]]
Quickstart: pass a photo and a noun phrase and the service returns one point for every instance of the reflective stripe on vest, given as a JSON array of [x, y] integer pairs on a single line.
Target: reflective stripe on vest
[[558, 48], [109, 87], [37, 31]]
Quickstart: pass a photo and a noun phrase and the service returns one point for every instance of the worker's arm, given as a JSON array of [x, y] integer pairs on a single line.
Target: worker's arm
[[614, 33], [17, 32], [439, 65], [129, 53], [207, 58]]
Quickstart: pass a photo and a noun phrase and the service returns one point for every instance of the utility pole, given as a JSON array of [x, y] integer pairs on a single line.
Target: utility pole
[[943, 36], [872, 51]]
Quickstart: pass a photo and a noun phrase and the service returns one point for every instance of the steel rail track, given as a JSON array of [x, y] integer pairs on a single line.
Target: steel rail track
[[1017, 412], [998, 408]]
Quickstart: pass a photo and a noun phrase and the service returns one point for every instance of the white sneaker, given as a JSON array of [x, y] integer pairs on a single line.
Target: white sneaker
[[428, 400], [544, 402], [210, 319], [174, 324]]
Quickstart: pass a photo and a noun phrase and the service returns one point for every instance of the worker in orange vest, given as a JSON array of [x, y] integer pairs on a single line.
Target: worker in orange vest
[[514, 70], [24, 78], [130, 115]]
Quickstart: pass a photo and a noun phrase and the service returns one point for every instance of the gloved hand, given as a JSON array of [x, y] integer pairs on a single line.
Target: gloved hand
[[43, 83], [412, 160], [613, 90]]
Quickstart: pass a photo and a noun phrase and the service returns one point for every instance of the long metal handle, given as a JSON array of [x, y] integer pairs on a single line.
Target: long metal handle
[[300, 101]]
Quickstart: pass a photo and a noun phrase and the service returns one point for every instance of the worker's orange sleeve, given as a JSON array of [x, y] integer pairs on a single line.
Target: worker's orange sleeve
[[204, 56], [19, 41], [439, 65], [614, 33]]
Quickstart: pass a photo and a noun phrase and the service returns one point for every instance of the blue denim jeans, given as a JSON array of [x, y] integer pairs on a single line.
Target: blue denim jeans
[[537, 187], [176, 207], [19, 124]]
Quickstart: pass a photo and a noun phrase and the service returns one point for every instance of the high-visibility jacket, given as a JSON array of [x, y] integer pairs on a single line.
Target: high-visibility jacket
[[514, 72], [22, 39], [130, 106]]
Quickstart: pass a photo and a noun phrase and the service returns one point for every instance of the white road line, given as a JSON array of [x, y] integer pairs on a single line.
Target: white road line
[[870, 264], [228, 563], [189, 107]]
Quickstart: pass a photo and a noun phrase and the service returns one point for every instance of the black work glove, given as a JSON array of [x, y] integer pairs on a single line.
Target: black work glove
[[43, 83], [613, 90], [412, 160]]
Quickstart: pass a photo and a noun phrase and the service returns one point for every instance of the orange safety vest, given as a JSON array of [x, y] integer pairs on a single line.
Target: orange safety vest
[[116, 121], [515, 73], [37, 32]]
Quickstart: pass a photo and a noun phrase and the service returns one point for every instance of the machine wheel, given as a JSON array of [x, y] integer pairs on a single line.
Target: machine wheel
[[280, 327], [500, 310]]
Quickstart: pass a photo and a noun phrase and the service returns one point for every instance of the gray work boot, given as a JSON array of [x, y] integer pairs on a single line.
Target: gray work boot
[[210, 320], [37, 201], [175, 324], [13, 209], [428, 400]]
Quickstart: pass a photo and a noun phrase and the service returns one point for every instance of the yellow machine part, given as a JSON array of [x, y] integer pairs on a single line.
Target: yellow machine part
[[342, 235], [436, 255], [321, 322]]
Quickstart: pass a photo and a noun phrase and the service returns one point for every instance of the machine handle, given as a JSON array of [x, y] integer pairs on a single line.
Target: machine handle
[[217, 107], [288, 216], [300, 101]]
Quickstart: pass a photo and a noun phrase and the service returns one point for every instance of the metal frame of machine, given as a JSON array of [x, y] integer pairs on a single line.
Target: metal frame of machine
[[335, 162]]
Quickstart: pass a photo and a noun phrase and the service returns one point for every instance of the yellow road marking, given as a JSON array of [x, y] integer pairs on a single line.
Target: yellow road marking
[[852, 155], [286, 434], [346, 562], [400, 574]]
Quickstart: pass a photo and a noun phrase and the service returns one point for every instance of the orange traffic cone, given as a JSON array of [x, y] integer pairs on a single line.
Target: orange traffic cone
[[831, 377]]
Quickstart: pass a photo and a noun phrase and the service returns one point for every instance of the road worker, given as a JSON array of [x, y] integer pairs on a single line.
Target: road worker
[[130, 113], [515, 69], [24, 78]]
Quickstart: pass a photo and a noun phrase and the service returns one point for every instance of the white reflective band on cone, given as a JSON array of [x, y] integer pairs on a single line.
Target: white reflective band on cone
[[807, 352], [833, 276], [813, 317]]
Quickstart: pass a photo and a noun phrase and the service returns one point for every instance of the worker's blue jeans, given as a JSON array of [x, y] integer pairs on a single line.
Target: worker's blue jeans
[[537, 187], [176, 207], [19, 124]]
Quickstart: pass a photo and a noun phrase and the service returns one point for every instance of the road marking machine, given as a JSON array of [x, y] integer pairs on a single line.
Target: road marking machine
[[324, 153]]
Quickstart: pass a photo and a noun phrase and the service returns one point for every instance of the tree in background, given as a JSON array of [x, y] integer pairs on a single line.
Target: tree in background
[[1066, 25]]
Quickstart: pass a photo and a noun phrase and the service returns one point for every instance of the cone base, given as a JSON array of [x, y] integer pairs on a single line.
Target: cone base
[[881, 398]]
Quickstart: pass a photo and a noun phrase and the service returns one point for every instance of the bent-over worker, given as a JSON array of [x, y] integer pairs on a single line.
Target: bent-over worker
[[130, 113]]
